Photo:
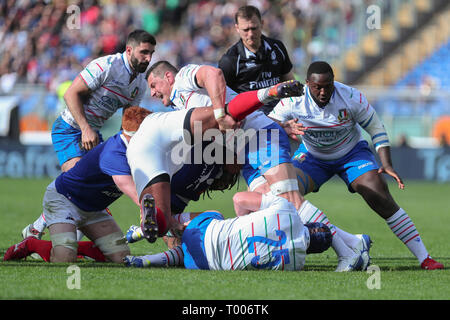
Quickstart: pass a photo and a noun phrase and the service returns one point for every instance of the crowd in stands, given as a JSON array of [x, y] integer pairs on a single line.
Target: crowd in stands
[[47, 42], [42, 43]]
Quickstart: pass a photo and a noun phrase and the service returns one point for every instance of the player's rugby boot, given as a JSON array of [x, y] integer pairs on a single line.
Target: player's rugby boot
[[291, 88], [133, 261], [30, 231], [17, 251], [350, 263], [431, 264], [149, 225], [363, 248], [134, 234]]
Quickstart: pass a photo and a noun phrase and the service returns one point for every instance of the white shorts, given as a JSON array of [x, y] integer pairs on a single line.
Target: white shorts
[[58, 209]]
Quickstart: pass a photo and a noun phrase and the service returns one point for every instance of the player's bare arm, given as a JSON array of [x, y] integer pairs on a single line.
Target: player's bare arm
[[125, 183], [74, 100], [213, 81], [386, 165]]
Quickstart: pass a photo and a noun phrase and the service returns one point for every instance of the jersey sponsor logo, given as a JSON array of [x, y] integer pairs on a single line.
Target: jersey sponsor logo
[[254, 85], [308, 116], [109, 102]]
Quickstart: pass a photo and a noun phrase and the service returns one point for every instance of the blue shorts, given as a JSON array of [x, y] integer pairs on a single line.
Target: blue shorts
[[66, 141], [194, 240], [354, 164], [267, 155]]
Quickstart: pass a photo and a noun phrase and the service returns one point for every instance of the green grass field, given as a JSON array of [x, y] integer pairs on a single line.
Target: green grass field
[[428, 204]]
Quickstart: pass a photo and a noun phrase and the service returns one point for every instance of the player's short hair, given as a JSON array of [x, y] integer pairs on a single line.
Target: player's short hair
[[139, 36], [247, 12], [132, 118], [159, 68], [319, 67]]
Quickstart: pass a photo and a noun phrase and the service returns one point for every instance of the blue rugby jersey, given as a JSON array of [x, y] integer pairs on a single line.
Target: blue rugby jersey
[[89, 184]]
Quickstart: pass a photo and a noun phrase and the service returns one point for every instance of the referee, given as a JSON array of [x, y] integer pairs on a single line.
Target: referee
[[255, 61]]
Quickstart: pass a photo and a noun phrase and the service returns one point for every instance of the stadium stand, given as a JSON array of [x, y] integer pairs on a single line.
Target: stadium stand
[[40, 51]]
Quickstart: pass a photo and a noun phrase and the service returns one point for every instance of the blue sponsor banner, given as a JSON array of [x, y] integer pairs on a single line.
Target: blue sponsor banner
[[432, 164], [33, 161]]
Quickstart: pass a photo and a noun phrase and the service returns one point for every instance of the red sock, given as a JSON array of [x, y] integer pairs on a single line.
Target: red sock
[[161, 221], [86, 248], [41, 247], [244, 104]]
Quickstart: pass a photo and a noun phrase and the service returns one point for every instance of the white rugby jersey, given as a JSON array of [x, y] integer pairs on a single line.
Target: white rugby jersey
[[108, 78], [157, 147], [271, 238], [187, 94], [334, 130]]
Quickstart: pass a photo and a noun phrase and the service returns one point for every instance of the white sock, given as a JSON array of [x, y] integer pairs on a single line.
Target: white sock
[[263, 95], [309, 213], [350, 239], [80, 235], [183, 217], [172, 257], [403, 227], [40, 223]]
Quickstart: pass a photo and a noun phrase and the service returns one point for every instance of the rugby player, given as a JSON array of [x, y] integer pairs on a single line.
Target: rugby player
[[332, 114], [271, 237]]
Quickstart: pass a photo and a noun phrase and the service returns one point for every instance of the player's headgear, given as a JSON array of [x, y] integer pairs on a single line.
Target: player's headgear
[[319, 237]]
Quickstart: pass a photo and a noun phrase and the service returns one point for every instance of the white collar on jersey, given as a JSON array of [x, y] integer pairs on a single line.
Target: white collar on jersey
[[124, 139], [126, 64]]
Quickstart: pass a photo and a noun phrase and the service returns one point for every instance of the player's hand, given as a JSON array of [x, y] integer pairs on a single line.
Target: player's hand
[[293, 128], [227, 122], [89, 138], [390, 171]]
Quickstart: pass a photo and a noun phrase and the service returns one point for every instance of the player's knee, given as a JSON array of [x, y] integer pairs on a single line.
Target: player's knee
[[64, 247], [113, 246]]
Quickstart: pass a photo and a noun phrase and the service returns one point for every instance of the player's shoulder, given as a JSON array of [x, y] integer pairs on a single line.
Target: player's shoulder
[[349, 93], [187, 70], [109, 60], [291, 102]]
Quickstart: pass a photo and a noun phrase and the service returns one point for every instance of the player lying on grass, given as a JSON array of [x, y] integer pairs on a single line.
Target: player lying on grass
[[79, 199], [271, 237], [333, 114]]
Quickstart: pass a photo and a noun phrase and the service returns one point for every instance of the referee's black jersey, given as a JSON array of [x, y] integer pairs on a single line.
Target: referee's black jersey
[[259, 71]]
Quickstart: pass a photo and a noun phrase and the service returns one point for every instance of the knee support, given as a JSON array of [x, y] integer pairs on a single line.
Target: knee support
[[65, 239], [112, 243]]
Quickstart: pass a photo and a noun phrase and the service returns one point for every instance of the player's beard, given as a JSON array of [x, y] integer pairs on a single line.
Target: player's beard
[[137, 66]]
